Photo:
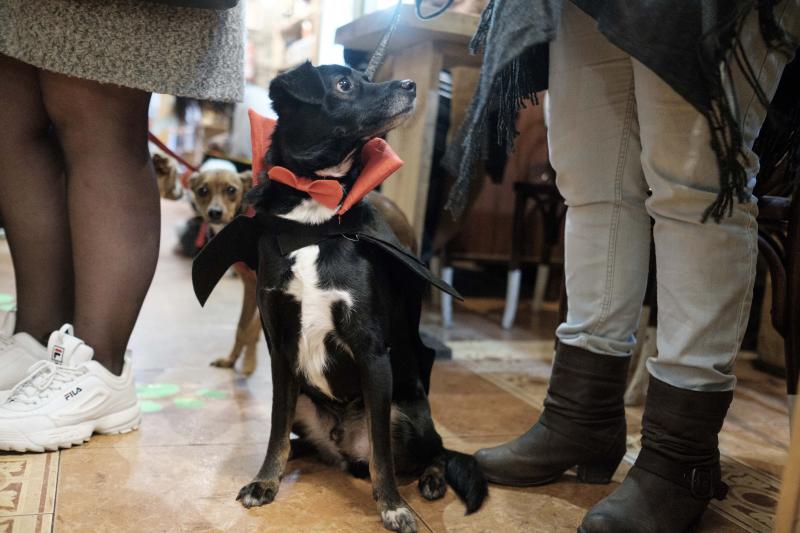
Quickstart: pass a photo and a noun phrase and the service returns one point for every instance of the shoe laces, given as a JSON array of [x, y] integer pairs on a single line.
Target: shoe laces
[[45, 379]]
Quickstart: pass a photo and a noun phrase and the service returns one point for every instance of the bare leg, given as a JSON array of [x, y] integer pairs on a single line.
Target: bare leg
[[112, 201], [33, 204]]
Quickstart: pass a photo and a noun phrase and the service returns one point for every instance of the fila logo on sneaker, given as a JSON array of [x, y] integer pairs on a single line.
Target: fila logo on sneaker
[[58, 354], [72, 393]]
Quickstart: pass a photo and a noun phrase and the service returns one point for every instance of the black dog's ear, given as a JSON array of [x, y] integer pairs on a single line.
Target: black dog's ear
[[303, 83]]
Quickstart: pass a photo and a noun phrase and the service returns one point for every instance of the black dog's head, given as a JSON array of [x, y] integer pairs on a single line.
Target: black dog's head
[[327, 113]]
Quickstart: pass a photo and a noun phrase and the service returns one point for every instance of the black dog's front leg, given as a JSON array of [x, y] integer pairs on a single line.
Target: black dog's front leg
[[264, 487], [376, 383]]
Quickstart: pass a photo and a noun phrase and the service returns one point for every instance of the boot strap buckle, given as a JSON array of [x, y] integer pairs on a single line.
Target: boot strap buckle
[[704, 484]]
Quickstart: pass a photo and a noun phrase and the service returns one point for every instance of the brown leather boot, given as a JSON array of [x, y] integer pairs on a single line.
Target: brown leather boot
[[583, 425], [677, 472]]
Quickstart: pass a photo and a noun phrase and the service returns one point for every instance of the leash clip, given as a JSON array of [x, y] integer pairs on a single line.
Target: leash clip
[[350, 239]]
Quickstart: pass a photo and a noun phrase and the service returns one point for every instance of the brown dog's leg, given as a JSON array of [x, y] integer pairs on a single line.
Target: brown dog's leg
[[253, 333], [249, 323], [376, 380], [264, 487], [247, 330]]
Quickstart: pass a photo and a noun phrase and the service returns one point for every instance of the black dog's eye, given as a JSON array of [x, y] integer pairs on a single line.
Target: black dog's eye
[[344, 85], [230, 189], [202, 191]]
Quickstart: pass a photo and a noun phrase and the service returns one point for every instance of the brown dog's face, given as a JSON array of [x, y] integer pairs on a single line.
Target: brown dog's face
[[218, 195]]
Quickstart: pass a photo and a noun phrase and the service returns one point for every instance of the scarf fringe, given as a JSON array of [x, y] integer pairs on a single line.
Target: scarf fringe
[[478, 41], [515, 86], [720, 49]]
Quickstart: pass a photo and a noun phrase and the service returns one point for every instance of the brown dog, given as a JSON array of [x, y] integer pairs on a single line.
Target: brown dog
[[217, 193]]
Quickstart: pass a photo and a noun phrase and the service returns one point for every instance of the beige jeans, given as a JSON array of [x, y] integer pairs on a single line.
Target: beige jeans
[[627, 148]]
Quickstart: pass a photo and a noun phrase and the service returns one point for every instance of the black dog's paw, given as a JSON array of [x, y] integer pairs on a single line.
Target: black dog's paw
[[432, 484], [257, 493], [399, 519]]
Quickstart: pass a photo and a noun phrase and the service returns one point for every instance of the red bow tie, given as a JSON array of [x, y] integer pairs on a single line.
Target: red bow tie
[[377, 157]]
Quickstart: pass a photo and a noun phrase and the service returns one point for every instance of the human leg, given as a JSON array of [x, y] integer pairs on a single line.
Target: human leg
[[112, 200], [594, 148], [33, 207], [33, 204], [705, 279]]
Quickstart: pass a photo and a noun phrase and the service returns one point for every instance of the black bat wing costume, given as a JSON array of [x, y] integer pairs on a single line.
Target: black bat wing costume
[[239, 242]]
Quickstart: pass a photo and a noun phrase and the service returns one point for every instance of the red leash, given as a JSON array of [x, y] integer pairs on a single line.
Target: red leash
[[163, 147]]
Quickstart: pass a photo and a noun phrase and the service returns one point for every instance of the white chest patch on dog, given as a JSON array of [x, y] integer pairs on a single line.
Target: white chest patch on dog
[[310, 211], [316, 316], [337, 171]]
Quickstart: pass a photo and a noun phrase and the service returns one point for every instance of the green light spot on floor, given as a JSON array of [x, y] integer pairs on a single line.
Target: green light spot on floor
[[156, 390], [148, 406], [211, 393], [189, 403]]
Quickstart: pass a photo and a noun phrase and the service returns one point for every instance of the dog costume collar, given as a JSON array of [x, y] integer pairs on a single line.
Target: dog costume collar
[[239, 241], [377, 157]]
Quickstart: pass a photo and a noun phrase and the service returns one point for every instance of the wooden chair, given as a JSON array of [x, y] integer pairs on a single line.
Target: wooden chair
[[779, 247], [549, 210]]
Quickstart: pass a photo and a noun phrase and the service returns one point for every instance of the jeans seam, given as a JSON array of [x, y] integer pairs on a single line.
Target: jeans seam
[[760, 73], [615, 214], [752, 249]]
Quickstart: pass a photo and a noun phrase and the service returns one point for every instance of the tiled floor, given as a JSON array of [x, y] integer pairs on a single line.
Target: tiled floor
[[204, 435]]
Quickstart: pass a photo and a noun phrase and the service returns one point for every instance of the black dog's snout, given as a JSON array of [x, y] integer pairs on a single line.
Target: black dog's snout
[[408, 85], [215, 214]]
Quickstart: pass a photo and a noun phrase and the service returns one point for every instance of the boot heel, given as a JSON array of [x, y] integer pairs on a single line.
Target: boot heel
[[599, 473]]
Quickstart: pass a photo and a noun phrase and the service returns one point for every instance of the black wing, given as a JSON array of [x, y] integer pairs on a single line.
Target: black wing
[[238, 241]]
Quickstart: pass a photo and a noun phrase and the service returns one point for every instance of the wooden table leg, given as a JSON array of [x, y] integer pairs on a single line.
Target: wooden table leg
[[413, 141], [787, 515]]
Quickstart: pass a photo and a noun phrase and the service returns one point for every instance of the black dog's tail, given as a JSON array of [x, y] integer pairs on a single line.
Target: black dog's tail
[[463, 473]]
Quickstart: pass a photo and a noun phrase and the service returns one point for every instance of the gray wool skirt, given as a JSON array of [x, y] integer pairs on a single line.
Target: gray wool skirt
[[197, 53]]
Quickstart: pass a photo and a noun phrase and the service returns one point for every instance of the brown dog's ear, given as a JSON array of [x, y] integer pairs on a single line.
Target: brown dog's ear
[[194, 180], [167, 178], [302, 83], [162, 166], [247, 180]]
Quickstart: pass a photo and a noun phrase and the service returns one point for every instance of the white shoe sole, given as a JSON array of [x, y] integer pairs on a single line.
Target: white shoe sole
[[54, 439]]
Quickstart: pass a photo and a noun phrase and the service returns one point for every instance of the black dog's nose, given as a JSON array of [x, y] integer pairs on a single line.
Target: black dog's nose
[[215, 214], [408, 85]]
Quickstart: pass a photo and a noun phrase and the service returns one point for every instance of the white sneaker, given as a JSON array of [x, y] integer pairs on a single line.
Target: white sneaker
[[66, 399], [7, 321], [17, 354]]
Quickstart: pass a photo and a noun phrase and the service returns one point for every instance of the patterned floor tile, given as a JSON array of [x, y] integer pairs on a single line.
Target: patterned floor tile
[[42, 523], [27, 483]]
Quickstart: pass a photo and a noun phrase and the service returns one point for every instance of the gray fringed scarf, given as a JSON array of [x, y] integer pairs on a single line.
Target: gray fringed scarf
[[702, 40]]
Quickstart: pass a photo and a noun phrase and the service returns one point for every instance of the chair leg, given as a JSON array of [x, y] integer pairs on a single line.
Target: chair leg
[[512, 297], [792, 325], [447, 300], [787, 514], [540, 287]]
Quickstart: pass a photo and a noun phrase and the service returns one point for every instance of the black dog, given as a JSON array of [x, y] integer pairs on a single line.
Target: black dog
[[340, 300]]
